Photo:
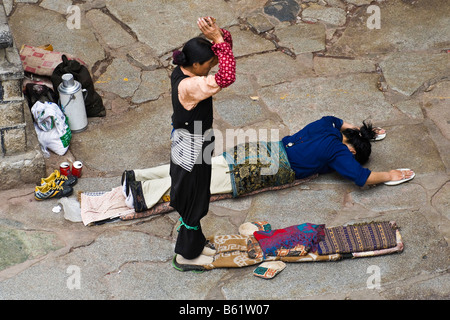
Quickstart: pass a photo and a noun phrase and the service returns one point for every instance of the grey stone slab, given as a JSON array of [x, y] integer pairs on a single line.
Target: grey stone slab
[[29, 166], [18, 245], [326, 66], [10, 64], [408, 196], [407, 72], [110, 31], [30, 25], [353, 98], [424, 25], [239, 110], [406, 146], [302, 37], [239, 204], [11, 114], [153, 85], [144, 57], [332, 16], [108, 254], [432, 286], [295, 206], [260, 23], [120, 78], [412, 108], [359, 2], [441, 201], [6, 38], [139, 140], [56, 5], [181, 15], [168, 285], [242, 39], [243, 86], [437, 107], [132, 259], [349, 278], [283, 10], [8, 5], [275, 67]]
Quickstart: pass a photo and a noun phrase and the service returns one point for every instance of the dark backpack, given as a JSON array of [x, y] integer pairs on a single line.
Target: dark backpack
[[38, 92], [93, 102]]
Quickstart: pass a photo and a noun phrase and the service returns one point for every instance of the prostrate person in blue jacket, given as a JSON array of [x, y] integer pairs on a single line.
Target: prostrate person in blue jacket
[[331, 144]]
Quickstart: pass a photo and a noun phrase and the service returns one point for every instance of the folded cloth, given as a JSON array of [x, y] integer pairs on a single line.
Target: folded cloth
[[358, 238], [103, 206], [303, 237]]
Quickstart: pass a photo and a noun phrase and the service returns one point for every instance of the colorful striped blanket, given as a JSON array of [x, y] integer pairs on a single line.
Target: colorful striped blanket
[[358, 238]]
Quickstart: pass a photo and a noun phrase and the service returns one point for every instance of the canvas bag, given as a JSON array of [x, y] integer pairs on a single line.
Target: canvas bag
[[93, 102], [52, 128]]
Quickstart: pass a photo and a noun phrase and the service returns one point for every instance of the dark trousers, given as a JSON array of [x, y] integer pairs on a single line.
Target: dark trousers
[[190, 194]]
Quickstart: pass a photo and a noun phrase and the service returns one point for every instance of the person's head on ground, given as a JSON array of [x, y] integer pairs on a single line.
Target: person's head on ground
[[358, 141], [196, 56]]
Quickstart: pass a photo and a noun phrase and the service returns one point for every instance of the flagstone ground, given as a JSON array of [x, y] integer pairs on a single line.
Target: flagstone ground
[[296, 62]]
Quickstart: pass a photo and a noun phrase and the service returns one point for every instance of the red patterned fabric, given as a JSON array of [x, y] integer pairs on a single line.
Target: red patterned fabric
[[227, 63], [41, 61], [306, 234]]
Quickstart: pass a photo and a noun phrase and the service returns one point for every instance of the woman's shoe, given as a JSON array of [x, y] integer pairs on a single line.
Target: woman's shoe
[[52, 190], [60, 179], [187, 267]]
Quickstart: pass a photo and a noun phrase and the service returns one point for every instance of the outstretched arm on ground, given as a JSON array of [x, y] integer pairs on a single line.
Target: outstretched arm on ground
[[393, 175]]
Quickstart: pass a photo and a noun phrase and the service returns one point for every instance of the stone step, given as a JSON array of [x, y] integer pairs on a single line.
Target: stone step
[[6, 38], [21, 161], [10, 64]]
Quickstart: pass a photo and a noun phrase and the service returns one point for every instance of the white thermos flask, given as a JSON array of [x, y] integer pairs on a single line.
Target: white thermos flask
[[72, 103]]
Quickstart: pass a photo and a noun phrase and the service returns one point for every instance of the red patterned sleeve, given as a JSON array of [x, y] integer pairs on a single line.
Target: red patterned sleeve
[[227, 63]]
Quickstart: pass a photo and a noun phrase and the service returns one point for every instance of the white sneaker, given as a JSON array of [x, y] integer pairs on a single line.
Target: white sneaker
[[129, 201]]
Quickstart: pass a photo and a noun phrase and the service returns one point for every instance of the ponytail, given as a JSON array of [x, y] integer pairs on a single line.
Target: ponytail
[[360, 140], [179, 58]]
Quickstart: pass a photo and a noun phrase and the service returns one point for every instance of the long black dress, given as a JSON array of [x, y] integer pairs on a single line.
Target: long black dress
[[190, 190]]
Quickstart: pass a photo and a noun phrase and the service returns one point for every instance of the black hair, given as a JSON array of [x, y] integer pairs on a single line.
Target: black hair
[[360, 140], [195, 50]]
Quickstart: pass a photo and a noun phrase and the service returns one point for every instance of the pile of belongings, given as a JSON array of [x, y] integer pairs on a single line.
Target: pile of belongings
[[43, 69], [258, 243]]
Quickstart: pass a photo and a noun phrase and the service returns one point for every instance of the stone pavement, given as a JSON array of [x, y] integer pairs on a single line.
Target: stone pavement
[[296, 62]]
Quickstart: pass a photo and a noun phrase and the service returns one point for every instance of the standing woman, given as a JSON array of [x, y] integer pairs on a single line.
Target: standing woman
[[192, 136]]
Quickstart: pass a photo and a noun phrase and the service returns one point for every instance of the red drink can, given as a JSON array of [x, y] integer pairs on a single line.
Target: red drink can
[[64, 168], [76, 168]]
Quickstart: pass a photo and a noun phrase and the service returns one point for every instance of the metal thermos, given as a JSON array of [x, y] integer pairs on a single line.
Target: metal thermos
[[72, 103]]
